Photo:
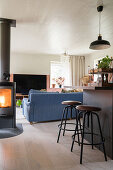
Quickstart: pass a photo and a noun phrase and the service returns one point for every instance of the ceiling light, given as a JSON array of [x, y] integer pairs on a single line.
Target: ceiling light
[[99, 44], [65, 53]]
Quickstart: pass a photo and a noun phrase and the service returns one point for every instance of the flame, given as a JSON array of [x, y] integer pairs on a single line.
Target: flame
[[2, 101], [5, 98]]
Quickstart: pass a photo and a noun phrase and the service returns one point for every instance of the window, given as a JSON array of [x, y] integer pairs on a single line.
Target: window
[[96, 76], [55, 72], [60, 69]]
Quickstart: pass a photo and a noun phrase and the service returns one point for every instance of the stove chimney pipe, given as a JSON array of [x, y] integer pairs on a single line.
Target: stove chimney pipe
[[5, 25]]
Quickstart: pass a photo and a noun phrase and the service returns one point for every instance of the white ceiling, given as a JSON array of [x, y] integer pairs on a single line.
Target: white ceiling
[[51, 26]]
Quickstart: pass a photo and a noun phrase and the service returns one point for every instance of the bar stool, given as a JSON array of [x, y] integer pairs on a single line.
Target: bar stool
[[69, 105], [89, 111]]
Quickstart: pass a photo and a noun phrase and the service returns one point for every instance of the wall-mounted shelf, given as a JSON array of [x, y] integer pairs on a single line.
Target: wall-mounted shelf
[[105, 75]]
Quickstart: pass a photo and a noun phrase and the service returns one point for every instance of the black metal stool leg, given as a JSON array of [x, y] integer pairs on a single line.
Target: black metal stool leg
[[78, 136], [74, 137], [101, 137], [65, 121], [79, 121], [82, 137], [77, 118], [92, 129], [61, 124]]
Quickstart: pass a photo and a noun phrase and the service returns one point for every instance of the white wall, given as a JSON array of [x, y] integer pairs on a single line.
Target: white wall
[[89, 59], [21, 63], [31, 63]]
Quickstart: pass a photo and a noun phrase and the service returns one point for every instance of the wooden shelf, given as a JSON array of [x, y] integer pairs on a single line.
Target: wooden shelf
[[101, 71], [105, 73], [21, 96]]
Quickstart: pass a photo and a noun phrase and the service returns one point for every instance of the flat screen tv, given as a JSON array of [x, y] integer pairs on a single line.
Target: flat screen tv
[[25, 82]]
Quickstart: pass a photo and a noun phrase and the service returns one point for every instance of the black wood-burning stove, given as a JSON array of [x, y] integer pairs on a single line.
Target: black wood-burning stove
[[7, 89]]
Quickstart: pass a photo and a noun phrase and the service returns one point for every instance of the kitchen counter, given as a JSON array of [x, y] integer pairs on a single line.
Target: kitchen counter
[[89, 87], [100, 97]]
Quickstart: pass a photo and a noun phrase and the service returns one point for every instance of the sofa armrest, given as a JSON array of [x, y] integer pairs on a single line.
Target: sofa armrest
[[24, 103], [27, 109], [25, 99]]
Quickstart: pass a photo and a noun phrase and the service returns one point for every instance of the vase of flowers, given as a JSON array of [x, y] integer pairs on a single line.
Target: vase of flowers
[[60, 81], [60, 86]]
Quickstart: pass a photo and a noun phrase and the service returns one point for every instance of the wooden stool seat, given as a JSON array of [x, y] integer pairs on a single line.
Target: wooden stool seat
[[71, 103], [88, 108]]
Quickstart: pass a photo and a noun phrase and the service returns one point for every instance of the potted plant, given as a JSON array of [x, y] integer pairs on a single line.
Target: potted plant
[[104, 64], [19, 103]]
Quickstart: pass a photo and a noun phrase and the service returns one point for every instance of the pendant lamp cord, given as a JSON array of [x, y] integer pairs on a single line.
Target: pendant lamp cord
[[99, 22]]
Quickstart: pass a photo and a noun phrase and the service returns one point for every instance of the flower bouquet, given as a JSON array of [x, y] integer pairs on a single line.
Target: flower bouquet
[[60, 81]]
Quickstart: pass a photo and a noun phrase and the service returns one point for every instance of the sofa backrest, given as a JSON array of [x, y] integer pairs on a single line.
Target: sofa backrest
[[33, 91], [55, 97]]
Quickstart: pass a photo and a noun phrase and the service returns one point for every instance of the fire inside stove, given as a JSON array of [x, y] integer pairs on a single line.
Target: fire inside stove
[[5, 98]]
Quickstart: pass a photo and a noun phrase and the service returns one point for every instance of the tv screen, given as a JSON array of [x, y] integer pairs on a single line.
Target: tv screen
[[26, 82]]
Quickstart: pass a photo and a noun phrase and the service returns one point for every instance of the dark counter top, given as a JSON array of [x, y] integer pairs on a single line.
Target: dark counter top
[[89, 87]]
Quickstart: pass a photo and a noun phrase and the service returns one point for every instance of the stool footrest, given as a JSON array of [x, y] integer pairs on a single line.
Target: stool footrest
[[68, 129], [94, 144], [89, 133]]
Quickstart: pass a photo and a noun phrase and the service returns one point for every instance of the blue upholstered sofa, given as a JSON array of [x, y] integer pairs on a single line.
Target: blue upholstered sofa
[[46, 106]]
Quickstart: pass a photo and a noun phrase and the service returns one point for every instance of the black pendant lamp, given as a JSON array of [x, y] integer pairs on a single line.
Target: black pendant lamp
[[99, 44]]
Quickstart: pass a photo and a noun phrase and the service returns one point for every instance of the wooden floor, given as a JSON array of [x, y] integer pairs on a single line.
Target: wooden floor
[[36, 149]]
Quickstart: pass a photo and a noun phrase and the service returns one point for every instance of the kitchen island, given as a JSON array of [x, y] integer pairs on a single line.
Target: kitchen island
[[101, 97]]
